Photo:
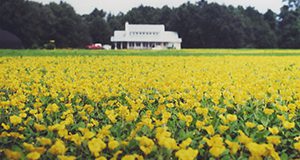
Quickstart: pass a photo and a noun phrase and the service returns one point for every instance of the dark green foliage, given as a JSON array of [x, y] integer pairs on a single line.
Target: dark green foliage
[[289, 27], [200, 24], [98, 28], [70, 30]]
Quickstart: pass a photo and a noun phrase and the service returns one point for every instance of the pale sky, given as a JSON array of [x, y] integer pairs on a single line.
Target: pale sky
[[116, 6]]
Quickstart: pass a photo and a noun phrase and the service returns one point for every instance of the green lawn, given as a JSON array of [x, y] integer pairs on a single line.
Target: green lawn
[[183, 52]]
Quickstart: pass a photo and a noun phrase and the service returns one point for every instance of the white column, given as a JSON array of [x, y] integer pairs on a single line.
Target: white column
[[127, 45], [121, 45], [134, 45], [116, 47]]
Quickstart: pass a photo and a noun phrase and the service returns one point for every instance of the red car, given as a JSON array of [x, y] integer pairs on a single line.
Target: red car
[[95, 46]]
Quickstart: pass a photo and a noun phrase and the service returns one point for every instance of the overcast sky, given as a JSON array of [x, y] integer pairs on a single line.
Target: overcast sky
[[116, 6]]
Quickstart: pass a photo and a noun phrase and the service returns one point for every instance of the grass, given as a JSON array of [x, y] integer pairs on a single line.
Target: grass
[[183, 52]]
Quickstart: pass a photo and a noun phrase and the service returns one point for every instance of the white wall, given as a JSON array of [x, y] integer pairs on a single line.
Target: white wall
[[177, 45]]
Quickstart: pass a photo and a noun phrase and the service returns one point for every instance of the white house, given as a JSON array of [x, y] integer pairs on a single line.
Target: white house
[[145, 36]]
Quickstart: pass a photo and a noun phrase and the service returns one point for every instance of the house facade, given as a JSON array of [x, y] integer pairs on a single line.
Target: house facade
[[145, 36]]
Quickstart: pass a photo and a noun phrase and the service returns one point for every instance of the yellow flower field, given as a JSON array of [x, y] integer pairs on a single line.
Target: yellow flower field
[[135, 107]]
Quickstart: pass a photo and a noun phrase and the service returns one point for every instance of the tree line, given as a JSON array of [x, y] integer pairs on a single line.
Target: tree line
[[200, 24]]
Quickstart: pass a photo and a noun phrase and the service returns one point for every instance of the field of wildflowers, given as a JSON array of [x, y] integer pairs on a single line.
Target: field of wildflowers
[[131, 107]]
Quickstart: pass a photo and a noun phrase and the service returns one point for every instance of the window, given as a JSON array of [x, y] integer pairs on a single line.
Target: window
[[145, 44], [131, 44], [138, 44], [152, 45]]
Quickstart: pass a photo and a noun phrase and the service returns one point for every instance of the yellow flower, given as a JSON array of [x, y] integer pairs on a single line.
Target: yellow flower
[[15, 120], [201, 146], [186, 154], [87, 134], [132, 157], [44, 141], [88, 108], [14, 155], [39, 127], [105, 131], [33, 155], [76, 138], [268, 111], [243, 138], [61, 157], [225, 120], [185, 143], [297, 138], [169, 143], [21, 129], [216, 151], [223, 128], [231, 117], [132, 116], [210, 130], [250, 124], [274, 140], [112, 144], [33, 111], [164, 140], [52, 108], [199, 124], [28, 146], [216, 144], [58, 148], [5, 127], [23, 115], [101, 158], [274, 130], [281, 117], [189, 120], [115, 156], [201, 111], [96, 145], [260, 127], [170, 105], [272, 152], [146, 144], [257, 150], [234, 146], [288, 125], [297, 146]]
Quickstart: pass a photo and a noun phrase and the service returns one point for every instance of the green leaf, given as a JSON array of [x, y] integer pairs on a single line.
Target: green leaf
[[264, 120], [81, 125], [284, 156]]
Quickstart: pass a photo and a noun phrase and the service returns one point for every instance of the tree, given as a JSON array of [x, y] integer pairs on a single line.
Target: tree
[[99, 29], [207, 25], [16, 16], [289, 28], [259, 33], [270, 18], [295, 4], [70, 30], [200, 24], [143, 15], [116, 22]]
